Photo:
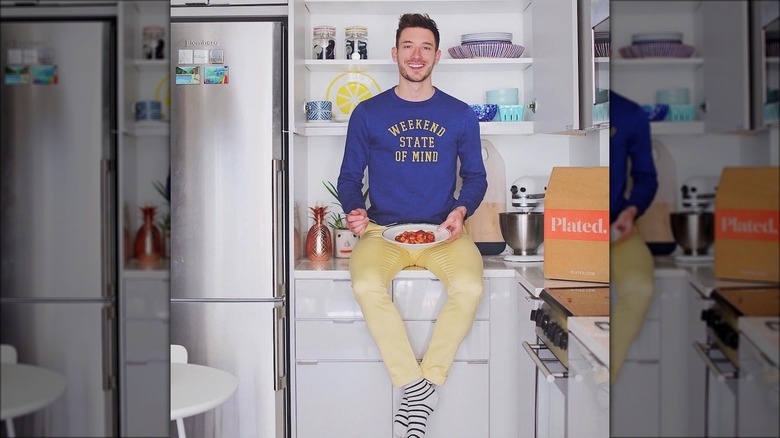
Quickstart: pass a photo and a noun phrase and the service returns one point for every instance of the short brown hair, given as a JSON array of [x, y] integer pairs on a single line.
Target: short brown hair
[[417, 20]]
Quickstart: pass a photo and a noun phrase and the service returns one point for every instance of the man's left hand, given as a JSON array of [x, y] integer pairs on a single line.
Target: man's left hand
[[454, 222]]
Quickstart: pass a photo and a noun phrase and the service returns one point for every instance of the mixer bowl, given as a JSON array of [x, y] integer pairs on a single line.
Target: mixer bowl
[[523, 232], [693, 231]]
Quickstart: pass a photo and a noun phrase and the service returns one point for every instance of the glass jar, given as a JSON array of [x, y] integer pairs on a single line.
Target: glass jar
[[324, 42], [154, 42], [356, 38]]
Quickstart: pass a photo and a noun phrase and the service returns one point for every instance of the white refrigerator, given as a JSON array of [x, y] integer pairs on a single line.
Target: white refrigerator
[[229, 216]]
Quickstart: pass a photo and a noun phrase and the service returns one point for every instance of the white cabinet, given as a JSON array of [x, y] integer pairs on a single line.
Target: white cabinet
[[717, 75], [335, 358], [343, 399], [144, 323], [765, 39], [546, 74]]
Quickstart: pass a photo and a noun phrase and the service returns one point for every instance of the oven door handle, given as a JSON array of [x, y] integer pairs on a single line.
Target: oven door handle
[[533, 352], [704, 351]]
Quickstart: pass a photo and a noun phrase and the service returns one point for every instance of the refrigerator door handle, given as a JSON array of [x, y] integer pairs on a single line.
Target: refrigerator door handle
[[280, 348], [109, 372], [106, 239], [280, 227]]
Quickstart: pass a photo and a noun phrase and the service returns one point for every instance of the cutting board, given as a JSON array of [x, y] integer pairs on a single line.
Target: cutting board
[[654, 226], [483, 225]]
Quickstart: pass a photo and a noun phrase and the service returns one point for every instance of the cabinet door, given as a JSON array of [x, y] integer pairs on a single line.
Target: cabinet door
[[424, 299], [147, 409], [726, 68], [587, 403], [343, 399], [550, 407], [555, 74], [463, 410]]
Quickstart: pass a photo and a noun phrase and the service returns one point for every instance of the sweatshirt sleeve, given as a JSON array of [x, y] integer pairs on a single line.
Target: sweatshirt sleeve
[[643, 172], [354, 162], [472, 168]]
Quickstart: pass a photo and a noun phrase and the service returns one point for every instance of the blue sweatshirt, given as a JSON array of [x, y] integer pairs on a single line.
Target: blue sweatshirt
[[411, 150], [629, 142]]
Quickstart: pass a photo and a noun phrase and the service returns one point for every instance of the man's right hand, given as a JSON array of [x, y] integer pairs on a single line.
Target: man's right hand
[[357, 221]]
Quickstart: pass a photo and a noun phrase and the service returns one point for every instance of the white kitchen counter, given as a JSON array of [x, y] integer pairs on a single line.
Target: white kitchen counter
[[530, 275], [700, 275]]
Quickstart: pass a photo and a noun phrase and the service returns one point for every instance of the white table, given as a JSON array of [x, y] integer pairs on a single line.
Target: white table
[[196, 389], [26, 389]]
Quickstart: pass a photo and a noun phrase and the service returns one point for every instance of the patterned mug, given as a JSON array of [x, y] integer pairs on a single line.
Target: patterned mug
[[318, 110]]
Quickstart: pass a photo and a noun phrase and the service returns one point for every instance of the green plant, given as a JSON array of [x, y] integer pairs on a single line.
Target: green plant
[[338, 220]]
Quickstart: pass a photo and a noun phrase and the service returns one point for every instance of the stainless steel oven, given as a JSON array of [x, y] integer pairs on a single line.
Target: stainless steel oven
[[550, 352], [721, 351]]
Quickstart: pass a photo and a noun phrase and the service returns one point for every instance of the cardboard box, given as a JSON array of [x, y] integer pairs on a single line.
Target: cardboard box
[[747, 206], [576, 224]]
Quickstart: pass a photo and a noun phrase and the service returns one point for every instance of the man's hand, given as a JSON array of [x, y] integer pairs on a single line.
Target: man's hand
[[357, 221], [624, 224], [454, 222]]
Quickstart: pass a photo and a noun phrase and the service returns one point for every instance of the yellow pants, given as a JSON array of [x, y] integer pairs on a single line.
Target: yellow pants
[[631, 276], [458, 264]]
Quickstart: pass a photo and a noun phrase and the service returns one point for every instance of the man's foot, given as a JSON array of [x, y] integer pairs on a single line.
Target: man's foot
[[420, 399], [401, 420]]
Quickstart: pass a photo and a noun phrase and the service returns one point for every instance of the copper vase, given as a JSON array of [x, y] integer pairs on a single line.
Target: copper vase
[[319, 242], [148, 247]]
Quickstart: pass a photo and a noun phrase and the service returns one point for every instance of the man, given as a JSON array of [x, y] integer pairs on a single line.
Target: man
[[631, 262], [410, 138]]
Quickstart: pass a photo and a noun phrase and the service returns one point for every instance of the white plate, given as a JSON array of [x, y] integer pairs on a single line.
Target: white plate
[[682, 258], [535, 258], [390, 233]]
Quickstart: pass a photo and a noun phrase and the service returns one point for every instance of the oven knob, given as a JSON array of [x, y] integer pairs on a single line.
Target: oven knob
[[564, 341], [550, 330], [556, 336], [544, 322], [538, 317], [533, 315], [731, 339], [709, 316]]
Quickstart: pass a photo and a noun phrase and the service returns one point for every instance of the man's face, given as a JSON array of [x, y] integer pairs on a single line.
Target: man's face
[[416, 54]]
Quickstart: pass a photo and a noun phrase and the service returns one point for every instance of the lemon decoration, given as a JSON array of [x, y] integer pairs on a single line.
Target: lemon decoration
[[347, 90], [166, 84]]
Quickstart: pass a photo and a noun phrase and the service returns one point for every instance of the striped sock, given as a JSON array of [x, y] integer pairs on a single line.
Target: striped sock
[[401, 419], [420, 399]]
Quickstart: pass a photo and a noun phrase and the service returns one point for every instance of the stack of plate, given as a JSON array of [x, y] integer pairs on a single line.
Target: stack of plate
[[657, 44], [601, 44], [486, 45]]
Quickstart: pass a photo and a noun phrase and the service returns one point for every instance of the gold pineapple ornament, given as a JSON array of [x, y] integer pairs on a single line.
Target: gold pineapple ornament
[[319, 242]]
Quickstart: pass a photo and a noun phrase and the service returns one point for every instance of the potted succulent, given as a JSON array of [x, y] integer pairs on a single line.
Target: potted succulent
[[345, 240]]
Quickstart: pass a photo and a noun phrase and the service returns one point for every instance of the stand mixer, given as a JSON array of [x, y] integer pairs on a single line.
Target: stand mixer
[[523, 230], [694, 226], [698, 193]]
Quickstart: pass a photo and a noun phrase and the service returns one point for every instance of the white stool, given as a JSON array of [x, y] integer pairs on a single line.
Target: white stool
[[8, 355], [179, 355]]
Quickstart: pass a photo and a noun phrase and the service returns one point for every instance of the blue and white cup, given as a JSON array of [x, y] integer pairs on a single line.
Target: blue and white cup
[[318, 110], [148, 110]]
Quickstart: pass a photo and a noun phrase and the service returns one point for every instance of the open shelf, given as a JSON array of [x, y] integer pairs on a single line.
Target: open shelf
[[444, 65], [682, 64], [160, 270]]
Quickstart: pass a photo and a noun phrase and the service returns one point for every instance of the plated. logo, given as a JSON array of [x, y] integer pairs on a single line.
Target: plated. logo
[[591, 225], [747, 225]]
